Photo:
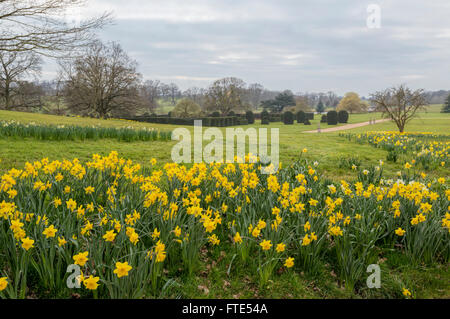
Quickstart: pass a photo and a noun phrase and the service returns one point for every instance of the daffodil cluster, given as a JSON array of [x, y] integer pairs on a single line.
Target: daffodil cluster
[[423, 148], [129, 228]]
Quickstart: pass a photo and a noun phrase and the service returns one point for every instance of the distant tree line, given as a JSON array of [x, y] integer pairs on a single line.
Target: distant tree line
[[100, 80]]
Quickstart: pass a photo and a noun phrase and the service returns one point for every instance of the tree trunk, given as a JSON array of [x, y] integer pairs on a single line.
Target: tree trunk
[[7, 96]]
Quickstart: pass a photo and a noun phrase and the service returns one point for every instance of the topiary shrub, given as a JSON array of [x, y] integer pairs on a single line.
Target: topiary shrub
[[264, 121], [250, 117], [169, 114], [288, 118], [301, 117], [323, 119], [332, 118], [215, 114], [307, 122], [231, 113], [343, 116], [264, 115]]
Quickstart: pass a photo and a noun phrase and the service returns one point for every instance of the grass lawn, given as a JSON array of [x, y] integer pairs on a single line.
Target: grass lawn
[[326, 148]]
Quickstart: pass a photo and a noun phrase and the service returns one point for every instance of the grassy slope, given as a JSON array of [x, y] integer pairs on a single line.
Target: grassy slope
[[427, 282]]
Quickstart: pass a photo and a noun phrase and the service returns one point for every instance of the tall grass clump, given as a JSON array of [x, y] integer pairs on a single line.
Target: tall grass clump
[[71, 133]]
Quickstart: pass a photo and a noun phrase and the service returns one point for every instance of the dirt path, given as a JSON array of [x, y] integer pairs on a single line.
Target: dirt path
[[345, 127]]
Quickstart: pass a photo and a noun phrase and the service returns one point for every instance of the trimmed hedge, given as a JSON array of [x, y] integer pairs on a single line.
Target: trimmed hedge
[[309, 116], [332, 118], [343, 116], [206, 121], [275, 117], [307, 122], [323, 119]]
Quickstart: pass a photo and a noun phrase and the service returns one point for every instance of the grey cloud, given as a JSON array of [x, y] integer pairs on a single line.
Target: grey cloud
[[299, 45]]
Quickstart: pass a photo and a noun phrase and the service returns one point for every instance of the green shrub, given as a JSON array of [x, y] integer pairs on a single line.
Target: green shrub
[[250, 117], [288, 118], [323, 119], [215, 114], [265, 115], [446, 106], [332, 118], [343, 116], [301, 117], [307, 122]]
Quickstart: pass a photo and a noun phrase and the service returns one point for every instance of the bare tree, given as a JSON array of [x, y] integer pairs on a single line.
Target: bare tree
[[41, 26], [269, 95], [29, 95], [197, 95], [302, 103], [14, 68], [332, 100], [225, 95], [164, 91], [151, 92], [400, 104], [255, 92], [103, 82], [186, 108], [54, 95], [174, 92]]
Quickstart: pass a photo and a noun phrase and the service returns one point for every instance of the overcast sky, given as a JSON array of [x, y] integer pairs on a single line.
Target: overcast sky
[[314, 45]]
